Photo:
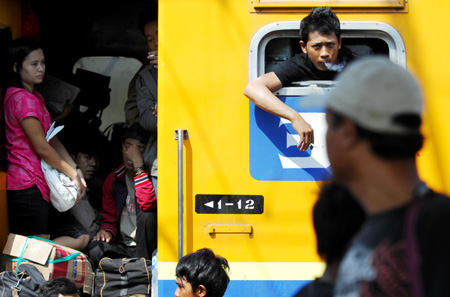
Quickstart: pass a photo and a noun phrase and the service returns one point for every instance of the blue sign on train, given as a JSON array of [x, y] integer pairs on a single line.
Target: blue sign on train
[[274, 155]]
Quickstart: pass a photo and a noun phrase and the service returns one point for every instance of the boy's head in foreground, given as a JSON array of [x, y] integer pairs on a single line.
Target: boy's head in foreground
[[202, 274]]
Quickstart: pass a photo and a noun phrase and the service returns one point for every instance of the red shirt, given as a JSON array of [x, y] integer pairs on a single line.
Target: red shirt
[[24, 165]]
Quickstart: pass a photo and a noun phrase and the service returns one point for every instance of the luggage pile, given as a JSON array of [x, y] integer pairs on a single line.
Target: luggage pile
[[33, 260]]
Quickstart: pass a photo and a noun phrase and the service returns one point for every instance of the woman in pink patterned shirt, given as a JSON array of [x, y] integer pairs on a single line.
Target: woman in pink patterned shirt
[[26, 124]]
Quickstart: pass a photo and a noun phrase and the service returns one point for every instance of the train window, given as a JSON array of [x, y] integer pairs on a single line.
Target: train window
[[277, 42], [281, 49], [274, 136]]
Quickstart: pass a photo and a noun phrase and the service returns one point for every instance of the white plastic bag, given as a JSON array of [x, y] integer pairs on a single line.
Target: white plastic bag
[[63, 191]]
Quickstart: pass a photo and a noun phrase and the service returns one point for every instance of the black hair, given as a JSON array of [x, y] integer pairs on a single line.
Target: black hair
[[60, 285], [390, 146], [150, 14], [205, 268], [19, 49], [321, 19], [138, 133], [337, 217]]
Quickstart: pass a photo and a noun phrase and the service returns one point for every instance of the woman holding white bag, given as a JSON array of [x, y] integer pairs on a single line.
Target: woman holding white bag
[[26, 124]]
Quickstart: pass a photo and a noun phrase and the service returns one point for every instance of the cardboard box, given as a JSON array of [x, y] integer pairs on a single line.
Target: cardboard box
[[41, 254]]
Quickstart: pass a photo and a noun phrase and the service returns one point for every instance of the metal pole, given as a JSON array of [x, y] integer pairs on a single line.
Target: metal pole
[[180, 192]]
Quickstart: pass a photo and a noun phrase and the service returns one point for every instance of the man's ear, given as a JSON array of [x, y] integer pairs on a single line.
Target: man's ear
[[349, 134], [303, 46], [73, 157], [340, 42], [15, 67], [201, 291]]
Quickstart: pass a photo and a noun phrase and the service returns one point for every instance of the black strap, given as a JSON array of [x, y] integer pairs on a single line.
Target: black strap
[[412, 244]]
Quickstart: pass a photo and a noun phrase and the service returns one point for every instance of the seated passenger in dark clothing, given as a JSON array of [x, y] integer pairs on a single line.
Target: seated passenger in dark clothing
[[128, 226], [83, 218], [336, 218], [84, 151]]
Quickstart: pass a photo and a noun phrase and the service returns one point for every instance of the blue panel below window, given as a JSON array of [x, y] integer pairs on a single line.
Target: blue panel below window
[[274, 155]]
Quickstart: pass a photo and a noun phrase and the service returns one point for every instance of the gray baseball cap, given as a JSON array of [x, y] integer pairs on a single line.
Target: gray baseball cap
[[373, 91]]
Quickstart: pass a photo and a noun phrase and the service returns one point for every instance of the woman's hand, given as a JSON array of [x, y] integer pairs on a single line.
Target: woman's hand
[[81, 185]]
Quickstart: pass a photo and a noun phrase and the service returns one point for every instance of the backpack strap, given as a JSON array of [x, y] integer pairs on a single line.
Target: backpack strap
[[412, 244]]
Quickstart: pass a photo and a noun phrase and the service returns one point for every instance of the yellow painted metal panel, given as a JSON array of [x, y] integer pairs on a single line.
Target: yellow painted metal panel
[[203, 70], [204, 62], [258, 270]]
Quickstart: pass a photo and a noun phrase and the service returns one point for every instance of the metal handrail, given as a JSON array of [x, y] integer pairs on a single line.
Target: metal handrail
[[180, 135]]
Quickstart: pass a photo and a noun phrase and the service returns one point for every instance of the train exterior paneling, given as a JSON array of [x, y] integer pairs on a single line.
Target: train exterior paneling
[[205, 51]]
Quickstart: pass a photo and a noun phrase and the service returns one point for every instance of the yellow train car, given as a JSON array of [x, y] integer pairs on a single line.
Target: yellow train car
[[232, 152], [230, 177]]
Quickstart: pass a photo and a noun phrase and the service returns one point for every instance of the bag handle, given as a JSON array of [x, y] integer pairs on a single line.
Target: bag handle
[[16, 289], [20, 259]]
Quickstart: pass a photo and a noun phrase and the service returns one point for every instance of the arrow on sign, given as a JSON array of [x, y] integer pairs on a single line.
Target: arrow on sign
[[210, 204], [318, 157]]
